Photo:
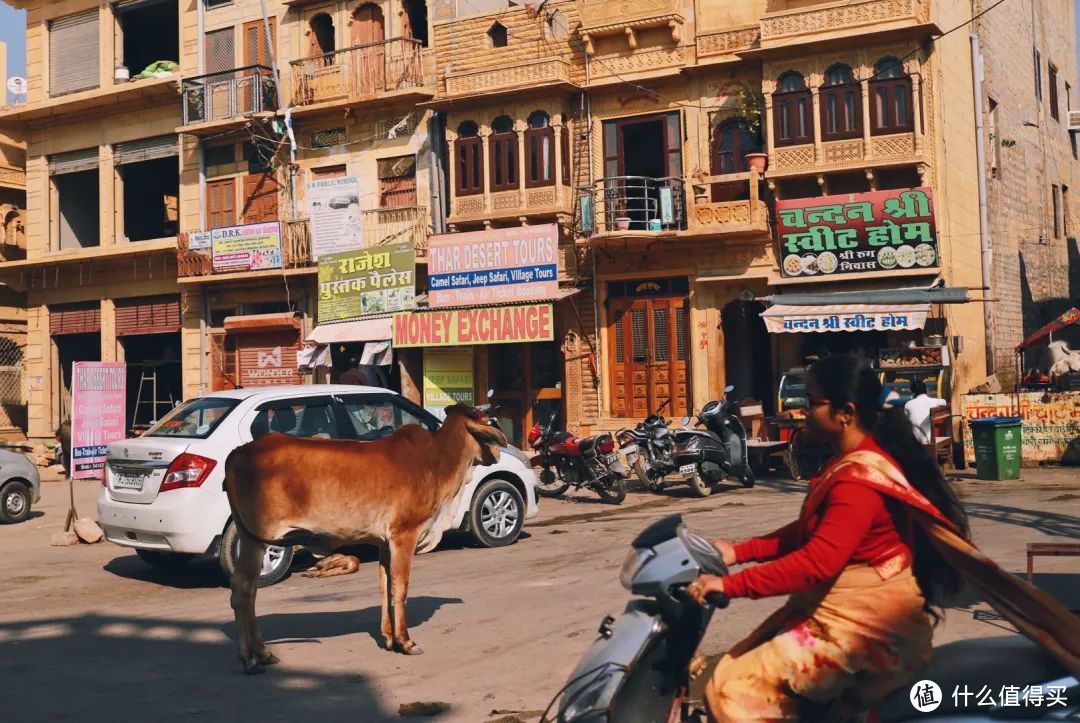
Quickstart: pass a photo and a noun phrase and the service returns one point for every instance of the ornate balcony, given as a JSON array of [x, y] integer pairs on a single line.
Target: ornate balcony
[[398, 224], [359, 73], [853, 154], [230, 97], [844, 18], [531, 203], [723, 45], [531, 74], [602, 17]]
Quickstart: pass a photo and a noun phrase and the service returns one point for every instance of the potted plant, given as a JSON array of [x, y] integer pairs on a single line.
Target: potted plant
[[752, 109]]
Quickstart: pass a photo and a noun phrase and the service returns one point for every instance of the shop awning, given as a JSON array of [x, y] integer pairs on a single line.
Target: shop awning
[[799, 319], [1070, 317], [262, 322], [374, 329], [939, 295]]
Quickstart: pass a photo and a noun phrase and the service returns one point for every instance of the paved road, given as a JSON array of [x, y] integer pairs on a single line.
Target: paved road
[[91, 634]]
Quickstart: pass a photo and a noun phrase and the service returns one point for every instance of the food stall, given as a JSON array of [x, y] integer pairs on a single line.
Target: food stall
[[900, 367]]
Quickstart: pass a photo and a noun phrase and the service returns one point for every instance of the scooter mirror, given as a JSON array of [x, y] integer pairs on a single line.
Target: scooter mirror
[[491, 393], [685, 421], [729, 389]]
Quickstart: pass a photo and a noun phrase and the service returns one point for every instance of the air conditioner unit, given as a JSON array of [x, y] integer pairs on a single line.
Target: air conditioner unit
[[1074, 121]]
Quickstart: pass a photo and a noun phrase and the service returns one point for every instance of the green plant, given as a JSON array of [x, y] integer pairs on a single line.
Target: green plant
[[752, 108]]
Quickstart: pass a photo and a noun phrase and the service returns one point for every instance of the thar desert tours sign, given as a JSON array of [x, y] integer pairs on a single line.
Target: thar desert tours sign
[[463, 327], [881, 231]]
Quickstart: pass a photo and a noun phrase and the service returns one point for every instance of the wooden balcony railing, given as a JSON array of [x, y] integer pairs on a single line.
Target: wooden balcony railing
[[359, 71], [396, 225]]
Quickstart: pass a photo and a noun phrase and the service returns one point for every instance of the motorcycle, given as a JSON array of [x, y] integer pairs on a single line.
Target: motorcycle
[[649, 449], [565, 460], [709, 456], [637, 670]]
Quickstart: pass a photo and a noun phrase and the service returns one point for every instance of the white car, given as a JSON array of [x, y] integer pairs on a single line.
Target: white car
[[162, 492]]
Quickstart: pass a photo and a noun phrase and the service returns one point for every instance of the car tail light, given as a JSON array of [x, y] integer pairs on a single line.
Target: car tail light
[[607, 444], [534, 433], [187, 470]]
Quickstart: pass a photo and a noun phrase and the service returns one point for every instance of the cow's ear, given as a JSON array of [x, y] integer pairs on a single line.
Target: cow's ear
[[490, 440]]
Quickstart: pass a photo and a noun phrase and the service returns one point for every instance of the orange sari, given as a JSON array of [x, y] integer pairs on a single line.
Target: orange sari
[[835, 652]]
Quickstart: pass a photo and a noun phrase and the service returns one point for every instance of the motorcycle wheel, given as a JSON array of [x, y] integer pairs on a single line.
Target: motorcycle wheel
[[548, 482], [747, 478], [614, 493], [642, 472], [699, 487]]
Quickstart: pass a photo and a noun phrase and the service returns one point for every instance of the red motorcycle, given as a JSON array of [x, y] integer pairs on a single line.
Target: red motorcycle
[[564, 460]]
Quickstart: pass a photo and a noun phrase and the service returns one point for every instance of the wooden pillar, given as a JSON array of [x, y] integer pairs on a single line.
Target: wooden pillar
[[868, 144], [485, 137], [916, 112], [815, 120]]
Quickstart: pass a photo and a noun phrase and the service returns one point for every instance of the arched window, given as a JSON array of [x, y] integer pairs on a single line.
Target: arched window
[[539, 151], [498, 36], [731, 141], [841, 104], [468, 153], [504, 154], [792, 118], [321, 39], [890, 99]]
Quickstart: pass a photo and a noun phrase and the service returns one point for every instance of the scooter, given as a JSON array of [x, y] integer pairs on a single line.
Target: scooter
[[707, 457], [637, 670], [649, 449]]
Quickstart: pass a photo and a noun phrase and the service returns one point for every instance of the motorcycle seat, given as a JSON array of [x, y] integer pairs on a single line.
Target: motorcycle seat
[[557, 437], [1012, 660]]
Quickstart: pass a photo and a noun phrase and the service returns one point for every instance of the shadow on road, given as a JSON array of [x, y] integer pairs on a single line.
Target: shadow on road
[[197, 574], [1048, 523], [102, 668]]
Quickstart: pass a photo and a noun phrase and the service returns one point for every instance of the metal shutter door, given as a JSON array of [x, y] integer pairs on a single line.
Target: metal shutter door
[[73, 162], [75, 319], [73, 54], [154, 315], [268, 358], [145, 149]]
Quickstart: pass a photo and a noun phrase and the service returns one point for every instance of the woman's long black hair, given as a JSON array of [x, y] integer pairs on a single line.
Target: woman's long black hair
[[845, 379]]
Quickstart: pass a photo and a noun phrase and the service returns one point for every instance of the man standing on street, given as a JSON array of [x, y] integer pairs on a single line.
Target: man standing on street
[[919, 408]]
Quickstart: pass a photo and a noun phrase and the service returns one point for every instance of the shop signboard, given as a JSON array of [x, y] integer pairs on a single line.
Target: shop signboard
[[377, 280], [489, 325], [785, 319], [334, 209], [251, 247], [448, 378], [495, 266], [1050, 421], [98, 410], [880, 231]]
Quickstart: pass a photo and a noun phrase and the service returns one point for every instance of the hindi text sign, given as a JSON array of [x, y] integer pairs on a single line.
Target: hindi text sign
[[98, 411], [377, 280], [250, 247]]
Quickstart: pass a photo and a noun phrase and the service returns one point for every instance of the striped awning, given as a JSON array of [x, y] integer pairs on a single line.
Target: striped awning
[[791, 319]]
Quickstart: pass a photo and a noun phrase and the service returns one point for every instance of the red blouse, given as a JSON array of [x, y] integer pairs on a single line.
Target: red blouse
[[855, 525]]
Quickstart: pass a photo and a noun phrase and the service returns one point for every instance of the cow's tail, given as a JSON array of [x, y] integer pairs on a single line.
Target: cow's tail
[[237, 458]]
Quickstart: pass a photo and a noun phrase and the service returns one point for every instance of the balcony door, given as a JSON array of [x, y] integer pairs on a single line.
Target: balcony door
[[255, 90], [639, 154], [368, 29], [648, 354]]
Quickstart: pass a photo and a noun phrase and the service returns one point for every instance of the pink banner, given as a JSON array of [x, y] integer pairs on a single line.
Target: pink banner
[[502, 265], [99, 403]]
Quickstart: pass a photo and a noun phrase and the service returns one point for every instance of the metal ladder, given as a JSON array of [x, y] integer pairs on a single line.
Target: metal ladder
[[149, 375]]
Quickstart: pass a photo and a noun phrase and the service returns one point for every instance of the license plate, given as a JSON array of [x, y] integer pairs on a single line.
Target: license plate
[[630, 449], [688, 469], [128, 482]]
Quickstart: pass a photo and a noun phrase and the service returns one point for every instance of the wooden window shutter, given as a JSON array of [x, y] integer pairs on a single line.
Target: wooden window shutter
[[75, 319], [260, 198], [221, 203], [148, 315], [256, 51]]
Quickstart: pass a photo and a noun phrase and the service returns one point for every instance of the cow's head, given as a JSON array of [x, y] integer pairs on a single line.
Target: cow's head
[[489, 440]]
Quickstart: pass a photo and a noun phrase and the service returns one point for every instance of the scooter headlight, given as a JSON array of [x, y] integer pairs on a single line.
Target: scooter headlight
[[632, 565], [584, 705]]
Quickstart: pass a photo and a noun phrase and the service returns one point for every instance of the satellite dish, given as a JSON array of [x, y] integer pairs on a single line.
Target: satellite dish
[[18, 85]]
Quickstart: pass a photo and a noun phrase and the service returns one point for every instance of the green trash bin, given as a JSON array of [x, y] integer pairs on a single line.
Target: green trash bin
[[997, 447]]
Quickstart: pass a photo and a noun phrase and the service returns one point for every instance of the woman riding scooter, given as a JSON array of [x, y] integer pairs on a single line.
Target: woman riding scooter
[[878, 544]]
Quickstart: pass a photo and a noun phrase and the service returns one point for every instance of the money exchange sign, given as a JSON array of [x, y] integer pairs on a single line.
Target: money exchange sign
[[880, 231], [377, 280]]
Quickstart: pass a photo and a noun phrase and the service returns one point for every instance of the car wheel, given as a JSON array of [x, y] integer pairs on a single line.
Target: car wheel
[[275, 564], [163, 560], [497, 513], [14, 502]]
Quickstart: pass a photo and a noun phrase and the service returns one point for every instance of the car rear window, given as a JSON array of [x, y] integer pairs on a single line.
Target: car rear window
[[196, 419]]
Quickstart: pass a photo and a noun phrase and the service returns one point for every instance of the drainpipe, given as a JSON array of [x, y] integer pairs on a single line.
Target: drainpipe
[[200, 22], [435, 172], [984, 221], [596, 284]]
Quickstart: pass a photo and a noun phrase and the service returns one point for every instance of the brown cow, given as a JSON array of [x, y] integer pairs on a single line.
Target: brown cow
[[391, 493]]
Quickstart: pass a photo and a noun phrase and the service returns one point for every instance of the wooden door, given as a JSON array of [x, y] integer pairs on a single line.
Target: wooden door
[[260, 198], [648, 356], [368, 31], [255, 90], [221, 203]]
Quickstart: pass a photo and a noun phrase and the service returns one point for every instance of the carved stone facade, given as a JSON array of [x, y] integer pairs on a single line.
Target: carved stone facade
[[842, 16], [522, 75], [727, 42]]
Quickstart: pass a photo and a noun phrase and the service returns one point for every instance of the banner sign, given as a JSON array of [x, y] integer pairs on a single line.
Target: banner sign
[[98, 410], [448, 378], [251, 247], [491, 325], [857, 232], [494, 266], [334, 209], [377, 280], [1050, 421], [780, 319]]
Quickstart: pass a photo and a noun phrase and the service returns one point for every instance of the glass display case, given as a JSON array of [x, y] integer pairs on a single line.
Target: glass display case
[[792, 394]]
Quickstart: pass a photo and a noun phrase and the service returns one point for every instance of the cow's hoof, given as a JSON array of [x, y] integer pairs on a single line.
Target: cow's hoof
[[268, 658], [407, 648], [252, 666]]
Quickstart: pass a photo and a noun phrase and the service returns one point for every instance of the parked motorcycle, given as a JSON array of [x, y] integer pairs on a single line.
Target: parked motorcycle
[[649, 449], [706, 457], [564, 460], [637, 670]]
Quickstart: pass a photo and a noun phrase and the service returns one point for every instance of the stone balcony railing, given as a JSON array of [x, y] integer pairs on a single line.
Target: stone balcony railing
[[13, 177], [545, 201], [843, 17], [615, 66], [727, 42], [847, 154], [362, 71], [529, 74]]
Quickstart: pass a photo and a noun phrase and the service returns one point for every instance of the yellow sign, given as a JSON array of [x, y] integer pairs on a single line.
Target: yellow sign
[[465, 327], [448, 378]]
